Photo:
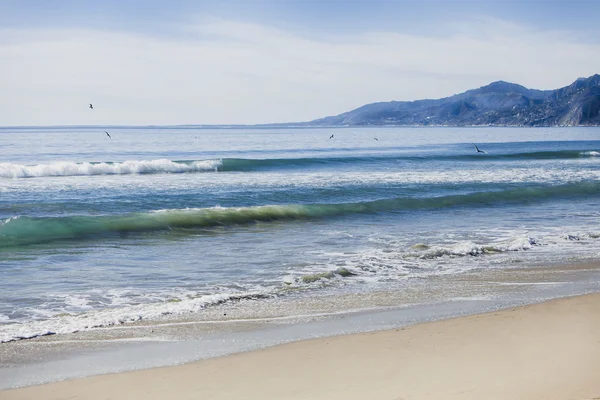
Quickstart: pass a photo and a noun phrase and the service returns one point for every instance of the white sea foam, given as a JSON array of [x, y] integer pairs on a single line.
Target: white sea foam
[[388, 259], [112, 316], [591, 153], [298, 179], [76, 302], [468, 248], [7, 220], [65, 168], [391, 259]]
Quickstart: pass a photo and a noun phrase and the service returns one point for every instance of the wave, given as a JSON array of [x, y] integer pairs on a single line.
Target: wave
[[562, 154], [375, 264], [84, 317], [463, 249], [24, 230], [534, 155], [368, 267], [65, 168], [68, 323]]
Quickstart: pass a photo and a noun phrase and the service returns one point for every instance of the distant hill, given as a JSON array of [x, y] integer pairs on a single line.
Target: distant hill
[[499, 103]]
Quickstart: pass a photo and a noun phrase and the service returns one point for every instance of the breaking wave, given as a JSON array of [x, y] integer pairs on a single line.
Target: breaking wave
[[464, 249], [8, 170], [116, 316], [17, 230], [164, 166]]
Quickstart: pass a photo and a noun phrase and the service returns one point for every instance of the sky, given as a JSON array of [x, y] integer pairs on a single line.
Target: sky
[[271, 61]]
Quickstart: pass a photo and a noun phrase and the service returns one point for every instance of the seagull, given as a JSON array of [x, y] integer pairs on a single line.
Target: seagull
[[376, 139], [477, 148], [331, 137], [91, 106], [107, 134]]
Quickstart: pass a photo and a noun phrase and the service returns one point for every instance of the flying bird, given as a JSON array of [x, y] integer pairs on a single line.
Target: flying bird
[[477, 148], [91, 106], [331, 137], [107, 134], [376, 139]]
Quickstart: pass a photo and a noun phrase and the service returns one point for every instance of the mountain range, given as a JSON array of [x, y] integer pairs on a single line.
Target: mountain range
[[497, 104]]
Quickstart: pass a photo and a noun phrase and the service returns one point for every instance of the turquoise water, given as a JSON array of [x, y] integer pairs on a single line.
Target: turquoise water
[[97, 231]]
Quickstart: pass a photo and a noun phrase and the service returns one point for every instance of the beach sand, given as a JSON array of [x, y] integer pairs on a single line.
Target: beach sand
[[543, 351]]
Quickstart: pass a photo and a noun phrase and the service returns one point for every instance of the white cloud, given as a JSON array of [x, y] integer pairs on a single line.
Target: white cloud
[[220, 71]]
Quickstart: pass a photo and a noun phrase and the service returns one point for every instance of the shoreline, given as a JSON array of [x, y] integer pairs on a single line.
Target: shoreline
[[234, 328], [548, 350]]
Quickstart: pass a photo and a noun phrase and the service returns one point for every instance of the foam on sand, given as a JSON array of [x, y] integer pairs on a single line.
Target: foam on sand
[[499, 355]]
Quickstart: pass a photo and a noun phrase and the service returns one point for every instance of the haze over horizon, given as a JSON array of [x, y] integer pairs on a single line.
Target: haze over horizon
[[253, 62]]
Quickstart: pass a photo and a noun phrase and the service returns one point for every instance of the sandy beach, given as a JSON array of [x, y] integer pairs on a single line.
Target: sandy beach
[[544, 351]]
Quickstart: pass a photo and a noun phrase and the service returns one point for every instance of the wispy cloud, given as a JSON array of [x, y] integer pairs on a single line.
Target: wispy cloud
[[223, 71]]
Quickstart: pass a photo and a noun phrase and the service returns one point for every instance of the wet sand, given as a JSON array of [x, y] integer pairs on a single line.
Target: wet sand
[[543, 351]]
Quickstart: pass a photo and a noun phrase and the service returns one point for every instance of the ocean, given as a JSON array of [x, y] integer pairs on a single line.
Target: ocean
[[172, 224]]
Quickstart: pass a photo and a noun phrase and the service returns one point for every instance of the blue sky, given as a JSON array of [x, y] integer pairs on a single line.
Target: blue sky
[[235, 61], [321, 15]]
